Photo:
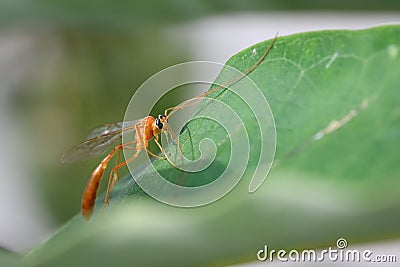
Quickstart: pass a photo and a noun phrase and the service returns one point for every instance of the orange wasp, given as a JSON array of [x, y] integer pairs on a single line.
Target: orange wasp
[[145, 130]]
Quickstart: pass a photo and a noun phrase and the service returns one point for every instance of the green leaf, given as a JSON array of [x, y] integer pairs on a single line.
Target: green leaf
[[8, 258], [334, 96]]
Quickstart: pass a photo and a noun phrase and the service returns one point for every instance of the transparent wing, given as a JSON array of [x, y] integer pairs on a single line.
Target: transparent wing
[[99, 140]]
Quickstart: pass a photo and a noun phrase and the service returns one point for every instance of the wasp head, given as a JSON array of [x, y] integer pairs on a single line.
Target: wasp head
[[160, 121]]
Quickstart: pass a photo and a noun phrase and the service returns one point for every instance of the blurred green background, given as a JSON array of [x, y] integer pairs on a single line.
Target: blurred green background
[[69, 66]]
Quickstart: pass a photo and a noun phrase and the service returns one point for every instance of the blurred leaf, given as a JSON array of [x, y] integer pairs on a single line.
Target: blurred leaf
[[102, 14], [334, 95], [8, 258]]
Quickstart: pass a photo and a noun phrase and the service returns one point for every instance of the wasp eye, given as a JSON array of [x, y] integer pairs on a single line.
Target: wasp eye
[[159, 124]]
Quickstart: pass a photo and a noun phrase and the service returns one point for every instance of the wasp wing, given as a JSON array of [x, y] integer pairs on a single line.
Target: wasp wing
[[99, 140]]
